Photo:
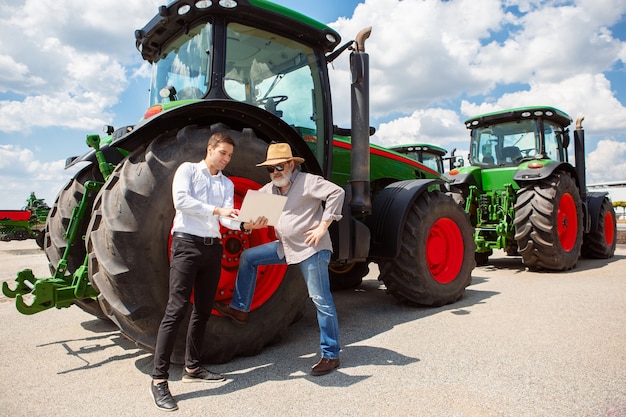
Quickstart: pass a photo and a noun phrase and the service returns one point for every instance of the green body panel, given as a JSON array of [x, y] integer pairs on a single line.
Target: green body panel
[[497, 178], [385, 166]]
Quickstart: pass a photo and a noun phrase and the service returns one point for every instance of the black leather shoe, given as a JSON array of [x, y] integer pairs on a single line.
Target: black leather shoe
[[202, 375], [239, 317], [162, 397], [325, 366]]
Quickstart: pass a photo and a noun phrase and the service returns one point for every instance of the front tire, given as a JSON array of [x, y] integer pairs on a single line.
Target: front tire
[[437, 255], [549, 223]]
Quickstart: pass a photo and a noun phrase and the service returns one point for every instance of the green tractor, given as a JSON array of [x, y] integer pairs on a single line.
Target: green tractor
[[259, 72], [524, 196], [431, 156]]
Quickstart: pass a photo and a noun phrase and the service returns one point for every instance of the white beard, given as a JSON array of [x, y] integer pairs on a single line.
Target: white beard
[[282, 181]]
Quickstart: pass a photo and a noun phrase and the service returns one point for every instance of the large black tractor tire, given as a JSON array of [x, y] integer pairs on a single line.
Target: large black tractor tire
[[437, 255], [600, 243], [54, 244], [549, 223], [128, 240]]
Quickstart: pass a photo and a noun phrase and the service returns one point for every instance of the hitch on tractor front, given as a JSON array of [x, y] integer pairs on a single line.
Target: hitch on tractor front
[[61, 290]]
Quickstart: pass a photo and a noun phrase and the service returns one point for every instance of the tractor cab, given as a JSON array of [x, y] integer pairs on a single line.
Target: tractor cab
[[521, 135], [225, 57], [429, 155]]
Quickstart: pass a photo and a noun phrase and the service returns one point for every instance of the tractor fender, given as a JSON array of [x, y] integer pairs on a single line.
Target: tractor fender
[[594, 202], [111, 154], [234, 114], [526, 175], [467, 178], [463, 178], [389, 213]]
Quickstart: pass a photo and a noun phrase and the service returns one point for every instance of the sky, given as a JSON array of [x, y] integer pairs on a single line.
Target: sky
[[69, 67]]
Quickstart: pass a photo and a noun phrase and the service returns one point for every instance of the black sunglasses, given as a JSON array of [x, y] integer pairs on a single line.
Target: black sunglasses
[[278, 168]]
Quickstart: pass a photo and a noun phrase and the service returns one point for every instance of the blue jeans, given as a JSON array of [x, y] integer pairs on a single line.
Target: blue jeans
[[315, 272]]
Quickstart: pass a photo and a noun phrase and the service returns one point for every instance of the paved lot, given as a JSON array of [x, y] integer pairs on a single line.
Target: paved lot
[[518, 344]]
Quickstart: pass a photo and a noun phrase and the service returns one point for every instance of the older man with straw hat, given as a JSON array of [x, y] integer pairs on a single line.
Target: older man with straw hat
[[313, 203]]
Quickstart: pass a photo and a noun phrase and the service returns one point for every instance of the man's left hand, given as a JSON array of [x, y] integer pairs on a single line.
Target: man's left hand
[[314, 236]]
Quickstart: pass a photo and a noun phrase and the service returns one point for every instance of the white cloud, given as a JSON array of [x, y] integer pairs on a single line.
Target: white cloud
[[420, 52], [607, 162], [436, 126], [424, 54], [81, 54], [21, 173], [583, 94]]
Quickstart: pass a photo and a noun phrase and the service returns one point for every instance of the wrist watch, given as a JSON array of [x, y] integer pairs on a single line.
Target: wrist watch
[[243, 229]]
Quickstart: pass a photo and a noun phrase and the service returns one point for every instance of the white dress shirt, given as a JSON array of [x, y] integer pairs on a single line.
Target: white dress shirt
[[196, 194]]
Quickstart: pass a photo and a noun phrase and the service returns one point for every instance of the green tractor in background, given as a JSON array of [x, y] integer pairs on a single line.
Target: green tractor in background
[[259, 72], [430, 155], [524, 196], [27, 223]]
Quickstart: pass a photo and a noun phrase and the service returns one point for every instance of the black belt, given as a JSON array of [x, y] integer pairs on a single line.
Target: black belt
[[204, 240]]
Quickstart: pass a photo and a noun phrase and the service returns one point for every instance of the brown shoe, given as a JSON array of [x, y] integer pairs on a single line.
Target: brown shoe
[[325, 366], [238, 317]]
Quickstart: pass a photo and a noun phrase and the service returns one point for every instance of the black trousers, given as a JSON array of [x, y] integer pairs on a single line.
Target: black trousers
[[194, 266]]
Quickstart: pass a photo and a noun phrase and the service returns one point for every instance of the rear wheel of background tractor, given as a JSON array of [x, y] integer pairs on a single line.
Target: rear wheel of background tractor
[[128, 241], [549, 223], [54, 244], [482, 258], [343, 277], [600, 243], [437, 255]]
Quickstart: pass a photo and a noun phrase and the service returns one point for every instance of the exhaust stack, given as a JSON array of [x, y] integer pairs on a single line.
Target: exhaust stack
[[360, 202]]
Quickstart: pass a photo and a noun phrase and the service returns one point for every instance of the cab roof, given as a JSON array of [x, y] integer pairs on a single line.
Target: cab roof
[[181, 15], [521, 113]]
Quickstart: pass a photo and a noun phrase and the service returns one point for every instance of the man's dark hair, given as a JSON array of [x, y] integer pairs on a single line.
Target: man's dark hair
[[220, 137]]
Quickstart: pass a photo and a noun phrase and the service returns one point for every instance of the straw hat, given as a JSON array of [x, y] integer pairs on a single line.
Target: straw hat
[[277, 153]]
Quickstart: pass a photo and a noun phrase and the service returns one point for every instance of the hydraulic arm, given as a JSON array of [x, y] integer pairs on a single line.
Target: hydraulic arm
[[61, 290]]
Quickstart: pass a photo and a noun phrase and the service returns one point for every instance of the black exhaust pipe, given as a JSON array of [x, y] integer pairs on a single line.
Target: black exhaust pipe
[[579, 155], [360, 202]]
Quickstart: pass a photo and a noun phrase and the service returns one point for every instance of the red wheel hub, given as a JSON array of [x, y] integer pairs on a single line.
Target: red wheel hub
[[444, 250], [567, 226], [609, 230]]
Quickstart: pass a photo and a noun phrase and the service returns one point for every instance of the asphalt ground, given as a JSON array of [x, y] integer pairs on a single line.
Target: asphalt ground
[[518, 344]]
